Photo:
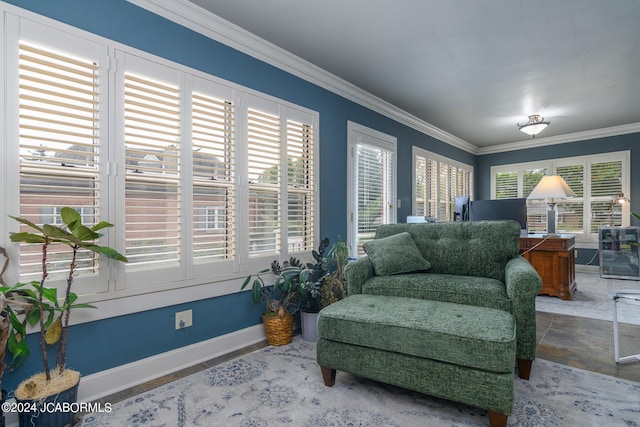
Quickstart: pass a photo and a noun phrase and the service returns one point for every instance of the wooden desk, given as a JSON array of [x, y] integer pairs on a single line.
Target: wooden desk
[[554, 260]]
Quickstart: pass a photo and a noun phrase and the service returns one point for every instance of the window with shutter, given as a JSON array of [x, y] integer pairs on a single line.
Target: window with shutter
[[374, 178], [606, 183], [536, 209], [152, 162], [421, 196], [201, 187], [213, 151], [595, 180], [372, 183], [300, 186], [441, 180], [264, 145], [571, 211], [58, 148]]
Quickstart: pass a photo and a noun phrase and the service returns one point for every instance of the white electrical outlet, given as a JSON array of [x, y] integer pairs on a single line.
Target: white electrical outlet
[[184, 319]]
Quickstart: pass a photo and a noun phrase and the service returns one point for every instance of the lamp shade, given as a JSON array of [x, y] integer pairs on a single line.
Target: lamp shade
[[551, 187]]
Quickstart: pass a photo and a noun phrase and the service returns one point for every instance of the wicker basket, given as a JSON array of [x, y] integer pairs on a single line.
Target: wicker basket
[[279, 330]]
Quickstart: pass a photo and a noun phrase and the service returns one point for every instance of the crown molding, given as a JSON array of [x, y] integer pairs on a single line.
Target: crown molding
[[561, 139], [194, 17]]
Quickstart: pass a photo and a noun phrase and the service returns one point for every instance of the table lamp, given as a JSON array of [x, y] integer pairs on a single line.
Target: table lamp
[[551, 188]]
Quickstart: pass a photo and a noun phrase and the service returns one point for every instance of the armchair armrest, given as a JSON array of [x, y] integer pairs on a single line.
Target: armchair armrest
[[357, 273], [521, 279], [523, 284]]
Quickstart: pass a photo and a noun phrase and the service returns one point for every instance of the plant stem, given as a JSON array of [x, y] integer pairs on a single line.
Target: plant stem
[[61, 358], [43, 345]]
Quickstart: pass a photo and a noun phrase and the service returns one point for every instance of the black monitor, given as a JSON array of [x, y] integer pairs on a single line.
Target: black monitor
[[499, 209]]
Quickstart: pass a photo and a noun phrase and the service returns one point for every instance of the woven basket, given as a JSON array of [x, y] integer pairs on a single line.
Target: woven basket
[[279, 330]]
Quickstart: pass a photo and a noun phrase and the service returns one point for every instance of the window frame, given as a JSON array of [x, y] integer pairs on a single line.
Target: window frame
[[358, 134], [440, 161], [588, 238], [217, 277]]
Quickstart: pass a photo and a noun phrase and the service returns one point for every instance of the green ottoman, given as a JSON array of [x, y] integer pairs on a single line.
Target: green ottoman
[[452, 351]]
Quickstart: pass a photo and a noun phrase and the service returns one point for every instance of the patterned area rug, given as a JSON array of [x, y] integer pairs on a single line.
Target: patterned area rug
[[282, 386], [590, 300]]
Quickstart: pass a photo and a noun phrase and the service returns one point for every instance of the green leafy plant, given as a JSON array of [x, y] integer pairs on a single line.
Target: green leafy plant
[[312, 279], [51, 315], [14, 311], [282, 296], [636, 215], [308, 287], [333, 287]]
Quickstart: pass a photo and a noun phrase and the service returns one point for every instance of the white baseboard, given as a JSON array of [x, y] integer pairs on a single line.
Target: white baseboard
[[104, 383]]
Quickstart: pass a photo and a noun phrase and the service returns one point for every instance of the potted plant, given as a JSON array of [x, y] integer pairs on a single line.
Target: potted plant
[[281, 299], [52, 316], [14, 310], [310, 293], [334, 287]]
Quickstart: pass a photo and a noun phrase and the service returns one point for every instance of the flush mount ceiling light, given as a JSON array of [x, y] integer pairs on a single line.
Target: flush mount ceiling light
[[534, 126]]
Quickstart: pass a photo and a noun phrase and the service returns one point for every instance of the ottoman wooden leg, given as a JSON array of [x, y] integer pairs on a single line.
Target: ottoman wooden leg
[[524, 368], [329, 376], [497, 420]]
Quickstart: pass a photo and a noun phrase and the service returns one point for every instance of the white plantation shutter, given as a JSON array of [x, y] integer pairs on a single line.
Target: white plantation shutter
[[420, 187], [300, 186], [506, 185], [375, 188], [200, 187], [213, 166], [264, 160], [605, 183], [58, 146], [536, 209], [152, 154], [443, 192], [444, 180], [464, 186], [432, 188], [595, 180], [571, 211], [512, 182]]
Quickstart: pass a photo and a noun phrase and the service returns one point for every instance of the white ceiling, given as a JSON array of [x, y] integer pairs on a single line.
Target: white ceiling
[[470, 68]]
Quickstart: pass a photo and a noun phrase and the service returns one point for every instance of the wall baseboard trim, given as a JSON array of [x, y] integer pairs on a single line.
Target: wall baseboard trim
[[107, 382], [104, 383]]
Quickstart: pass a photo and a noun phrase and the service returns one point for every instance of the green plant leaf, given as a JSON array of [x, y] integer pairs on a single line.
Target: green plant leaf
[[256, 291], [57, 233], [101, 225], [636, 215], [106, 251], [304, 276], [50, 294], [245, 283], [82, 305], [34, 316], [72, 298], [70, 217], [85, 233], [25, 237], [27, 222]]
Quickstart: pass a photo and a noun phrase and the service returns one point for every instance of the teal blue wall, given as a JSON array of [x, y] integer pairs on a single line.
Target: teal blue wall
[[101, 345]]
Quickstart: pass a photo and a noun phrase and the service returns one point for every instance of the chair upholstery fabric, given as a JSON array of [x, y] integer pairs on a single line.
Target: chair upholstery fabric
[[474, 263]]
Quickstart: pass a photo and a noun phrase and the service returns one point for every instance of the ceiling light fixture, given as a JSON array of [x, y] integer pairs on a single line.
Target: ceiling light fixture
[[534, 126]]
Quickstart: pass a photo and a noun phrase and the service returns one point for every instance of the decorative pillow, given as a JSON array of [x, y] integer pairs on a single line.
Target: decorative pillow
[[395, 254]]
